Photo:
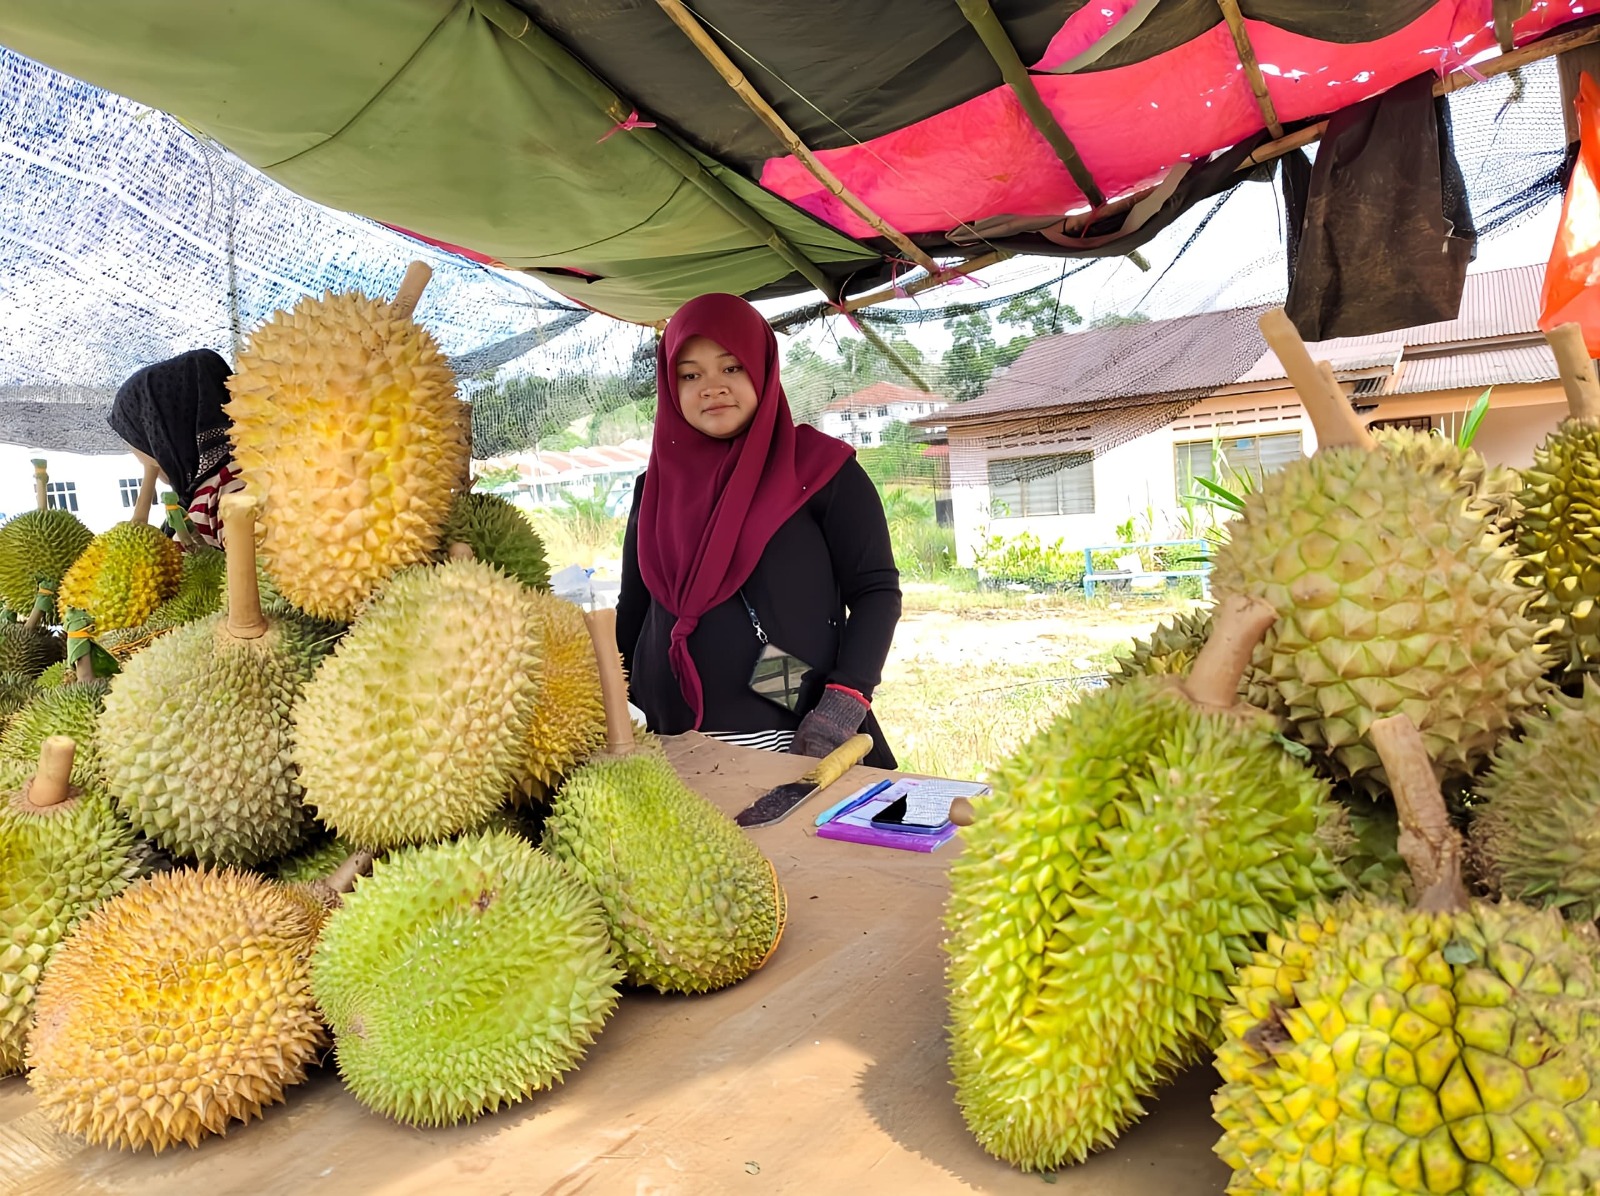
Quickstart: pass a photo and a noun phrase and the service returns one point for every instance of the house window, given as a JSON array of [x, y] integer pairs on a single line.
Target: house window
[[866, 438], [1255, 456], [61, 496], [130, 490], [883, 411], [1417, 423], [1057, 485]]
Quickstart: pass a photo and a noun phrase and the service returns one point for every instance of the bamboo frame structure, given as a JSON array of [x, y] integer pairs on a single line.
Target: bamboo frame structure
[[982, 18], [1252, 68], [753, 100], [520, 28]]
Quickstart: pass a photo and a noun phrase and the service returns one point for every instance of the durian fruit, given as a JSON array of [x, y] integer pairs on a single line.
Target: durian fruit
[[569, 716], [122, 576], [62, 852], [195, 739], [691, 902], [72, 711], [1451, 1047], [463, 976], [1535, 832], [201, 589], [38, 547], [499, 534], [16, 691], [1171, 649], [1559, 532], [1397, 594], [1493, 488], [176, 1008], [313, 861], [1126, 860], [347, 426], [414, 728], [56, 674], [29, 650]]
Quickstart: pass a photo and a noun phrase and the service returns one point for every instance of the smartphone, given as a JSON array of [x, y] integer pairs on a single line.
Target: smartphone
[[893, 817]]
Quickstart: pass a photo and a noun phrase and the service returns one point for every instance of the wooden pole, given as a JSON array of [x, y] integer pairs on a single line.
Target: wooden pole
[[753, 100], [147, 495], [982, 18], [1252, 68], [521, 28], [245, 620]]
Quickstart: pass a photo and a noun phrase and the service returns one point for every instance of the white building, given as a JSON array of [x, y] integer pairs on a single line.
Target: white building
[[604, 469], [860, 418], [100, 490]]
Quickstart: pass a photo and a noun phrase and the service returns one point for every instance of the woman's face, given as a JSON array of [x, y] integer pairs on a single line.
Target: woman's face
[[715, 392]]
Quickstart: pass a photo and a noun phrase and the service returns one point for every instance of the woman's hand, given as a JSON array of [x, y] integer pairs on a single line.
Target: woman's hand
[[836, 718]]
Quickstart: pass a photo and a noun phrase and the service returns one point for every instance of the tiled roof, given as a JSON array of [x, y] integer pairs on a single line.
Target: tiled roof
[[882, 394]]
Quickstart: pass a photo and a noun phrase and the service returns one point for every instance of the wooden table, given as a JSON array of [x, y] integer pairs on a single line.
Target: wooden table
[[823, 1073]]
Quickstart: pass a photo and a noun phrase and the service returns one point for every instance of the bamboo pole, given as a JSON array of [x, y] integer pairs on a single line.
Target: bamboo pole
[[982, 18], [1252, 68], [753, 100], [522, 29], [882, 346]]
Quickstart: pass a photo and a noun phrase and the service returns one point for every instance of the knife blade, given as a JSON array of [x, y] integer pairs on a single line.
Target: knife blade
[[780, 801]]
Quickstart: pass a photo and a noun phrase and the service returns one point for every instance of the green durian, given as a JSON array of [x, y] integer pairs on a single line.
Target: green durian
[[195, 735], [1494, 489], [692, 903], [29, 650], [56, 674], [1396, 592], [202, 587], [463, 976], [57, 862], [16, 691], [122, 576], [313, 861], [70, 710], [498, 534], [38, 547], [414, 728], [1126, 858], [1535, 833]]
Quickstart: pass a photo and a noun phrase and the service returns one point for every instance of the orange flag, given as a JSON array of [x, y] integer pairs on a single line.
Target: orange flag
[[1572, 280]]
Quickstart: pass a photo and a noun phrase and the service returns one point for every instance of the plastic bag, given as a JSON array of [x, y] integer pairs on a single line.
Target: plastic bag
[[1571, 293]]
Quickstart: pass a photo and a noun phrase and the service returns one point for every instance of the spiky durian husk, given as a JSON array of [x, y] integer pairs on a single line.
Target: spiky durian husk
[[16, 691], [1127, 856], [314, 861], [415, 727], [463, 976], [56, 864], [201, 589], [177, 1007], [1171, 649], [692, 903], [37, 547], [1373, 1048], [70, 710], [122, 576], [1536, 827], [1493, 489], [195, 741], [569, 718], [57, 674], [29, 650], [1395, 594], [345, 421], [499, 534], [1559, 537]]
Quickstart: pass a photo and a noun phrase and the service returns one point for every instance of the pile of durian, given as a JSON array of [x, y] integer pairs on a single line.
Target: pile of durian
[[359, 781], [1341, 834]]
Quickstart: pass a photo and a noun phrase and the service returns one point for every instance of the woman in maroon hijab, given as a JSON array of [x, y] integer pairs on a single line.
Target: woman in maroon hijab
[[748, 531]]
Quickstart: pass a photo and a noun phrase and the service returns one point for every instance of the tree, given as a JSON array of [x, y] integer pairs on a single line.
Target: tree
[[1041, 313], [1119, 319]]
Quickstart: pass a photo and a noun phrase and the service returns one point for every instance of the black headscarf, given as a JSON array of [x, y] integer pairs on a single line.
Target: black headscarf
[[172, 411]]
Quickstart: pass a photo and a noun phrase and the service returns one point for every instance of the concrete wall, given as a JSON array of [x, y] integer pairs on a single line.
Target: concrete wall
[[95, 480]]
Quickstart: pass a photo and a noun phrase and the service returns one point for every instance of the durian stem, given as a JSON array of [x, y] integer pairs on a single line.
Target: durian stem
[[1236, 628], [147, 496], [1323, 398], [1577, 372], [83, 671], [176, 520], [613, 686], [461, 552], [1429, 845], [52, 783], [331, 890], [41, 484], [245, 620], [35, 619], [405, 299]]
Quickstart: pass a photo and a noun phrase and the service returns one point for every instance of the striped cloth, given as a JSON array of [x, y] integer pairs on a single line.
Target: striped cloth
[[764, 741], [203, 510]]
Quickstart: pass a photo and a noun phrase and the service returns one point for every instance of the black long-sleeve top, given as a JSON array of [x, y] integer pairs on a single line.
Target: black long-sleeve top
[[825, 590]]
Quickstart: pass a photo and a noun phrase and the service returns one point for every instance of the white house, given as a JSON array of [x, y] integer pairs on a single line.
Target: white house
[[99, 489], [543, 477], [1089, 428], [860, 418]]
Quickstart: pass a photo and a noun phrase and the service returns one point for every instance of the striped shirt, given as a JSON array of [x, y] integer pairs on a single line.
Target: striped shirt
[[764, 741], [202, 510]]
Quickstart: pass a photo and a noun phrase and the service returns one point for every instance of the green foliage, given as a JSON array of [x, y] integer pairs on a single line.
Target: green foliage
[[923, 551], [1024, 559], [1468, 431], [898, 459], [493, 479]]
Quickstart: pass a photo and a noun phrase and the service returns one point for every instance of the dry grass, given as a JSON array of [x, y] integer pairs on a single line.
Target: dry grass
[[967, 684]]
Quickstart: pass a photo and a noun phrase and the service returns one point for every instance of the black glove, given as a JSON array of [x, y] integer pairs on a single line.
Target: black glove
[[836, 718]]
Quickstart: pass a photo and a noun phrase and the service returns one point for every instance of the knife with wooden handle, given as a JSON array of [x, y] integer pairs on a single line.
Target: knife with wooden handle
[[778, 803]]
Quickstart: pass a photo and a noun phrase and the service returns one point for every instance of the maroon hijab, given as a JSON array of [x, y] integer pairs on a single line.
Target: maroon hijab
[[709, 506]]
